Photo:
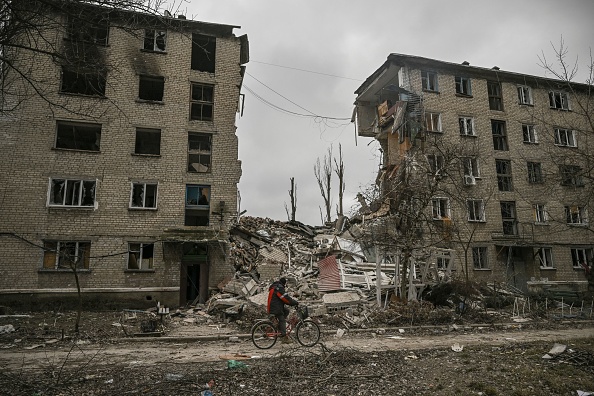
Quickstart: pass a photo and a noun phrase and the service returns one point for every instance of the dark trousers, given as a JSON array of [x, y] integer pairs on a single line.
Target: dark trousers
[[282, 321]]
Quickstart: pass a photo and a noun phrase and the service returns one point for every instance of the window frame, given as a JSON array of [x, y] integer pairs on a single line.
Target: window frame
[[144, 185], [541, 216], [470, 167], [55, 253], [140, 146], [150, 85], [434, 123], [495, 94], [545, 258], [499, 133], [463, 123], [580, 213], [199, 152], [475, 208], [565, 137], [428, 80], [440, 208], [207, 45], [559, 100], [151, 37], [88, 133], [142, 249], [535, 175], [202, 102], [198, 209], [525, 95], [507, 220], [529, 134], [586, 252], [463, 86], [570, 175], [480, 258], [93, 82], [504, 180], [79, 190], [95, 24]]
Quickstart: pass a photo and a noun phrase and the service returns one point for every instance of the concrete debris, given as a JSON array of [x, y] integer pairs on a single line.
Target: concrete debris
[[6, 329]]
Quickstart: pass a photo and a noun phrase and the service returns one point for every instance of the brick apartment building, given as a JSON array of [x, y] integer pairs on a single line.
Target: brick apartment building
[[123, 162], [504, 159]]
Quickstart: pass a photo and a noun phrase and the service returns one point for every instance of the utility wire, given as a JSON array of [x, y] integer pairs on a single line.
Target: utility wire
[[307, 71]]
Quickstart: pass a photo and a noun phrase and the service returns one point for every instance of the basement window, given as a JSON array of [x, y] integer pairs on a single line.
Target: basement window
[[78, 136], [141, 256], [202, 102], [148, 141], [72, 193], [143, 196], [80, 83], [197, 205], [66, 255], [199, 152], [155, 40], [151, 88], [203, 53]]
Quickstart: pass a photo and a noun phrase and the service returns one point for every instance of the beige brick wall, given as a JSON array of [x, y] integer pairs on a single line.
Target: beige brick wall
[[28, 160]]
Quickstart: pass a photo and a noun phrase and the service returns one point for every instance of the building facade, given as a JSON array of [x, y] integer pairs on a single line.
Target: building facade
[[120, 158], [496, 162]]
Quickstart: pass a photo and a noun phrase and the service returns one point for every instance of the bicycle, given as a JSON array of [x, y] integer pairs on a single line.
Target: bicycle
[[265, 332]]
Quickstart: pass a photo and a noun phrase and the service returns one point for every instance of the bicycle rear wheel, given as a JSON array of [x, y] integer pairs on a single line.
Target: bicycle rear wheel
[[308, 333], [264, 334]]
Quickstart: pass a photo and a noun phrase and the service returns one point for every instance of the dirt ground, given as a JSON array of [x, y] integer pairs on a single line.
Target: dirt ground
[[502, 359]]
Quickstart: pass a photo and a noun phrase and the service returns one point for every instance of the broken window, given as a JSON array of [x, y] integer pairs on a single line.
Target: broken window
[[442, 263], [82, 83], [151, 88], [66, 255], [495, 96], [143, 195], [202, 102], [559, 100], [433, 122], [78, 136], [581, 257], [540, 214], [155, 40], [466, 126], [571, 175], [529, 133], [441, 208], [479, 257], [72, 193], [499, 135], [535, 172], [525, 95], [504, 176], [87, 28], [576, 215], [436, 164], [429, 81], [140, 256], [148, 141], [545, 257], [471, 167], [463, 86], [203, 52], [476, 210], [565, 137], [197, 205], [508, 218], [199, 152]]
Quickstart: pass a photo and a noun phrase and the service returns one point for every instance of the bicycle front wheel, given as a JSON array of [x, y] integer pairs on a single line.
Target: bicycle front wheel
[[264, 335], [308, 333]]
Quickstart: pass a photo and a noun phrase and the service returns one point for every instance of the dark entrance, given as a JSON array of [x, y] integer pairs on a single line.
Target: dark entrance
[[194, 272]]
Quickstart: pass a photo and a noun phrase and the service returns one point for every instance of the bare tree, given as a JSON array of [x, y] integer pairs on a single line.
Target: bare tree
[[293, 196], [323, 175], [339, 170]]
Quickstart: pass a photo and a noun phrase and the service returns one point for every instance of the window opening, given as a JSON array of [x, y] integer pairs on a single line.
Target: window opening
[[151, 88], [66, 255], [143, 195], [82, 83], [479, 257], [576, 215], [433, 122], [545, 258], [141, 256], [525, 95], [495, 97], [441, 208], [559, 100], [504, 175], [535, 172], [463, 86], [155, 40], [203, 53], [540, 214], [197, 205], [499, 135], [571, 175], [529, 133], [466, 126], [565, 137], [72, 193], [508, 217], [78, 136], [199, 152], [202, 102], [429, 81], [148, 141], [581, 257], [476, 209]]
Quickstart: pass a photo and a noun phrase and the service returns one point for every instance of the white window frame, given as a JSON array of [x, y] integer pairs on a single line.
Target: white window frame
[[480, 256], [144, 195], [429, 81], [545, 258], [525, 95], [529, 134], [582, 256], [470, 167], [540, 214], [143, 263], [565, 137], [576, 215], [466, 125], [81, 257], [463, 85], [436, 163], [441, 208], [559, 100], [76, 198], [476, 210], [156, 33], [442, 262], [432, 122]]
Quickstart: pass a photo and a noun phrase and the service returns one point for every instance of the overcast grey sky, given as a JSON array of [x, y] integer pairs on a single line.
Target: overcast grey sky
[[351, 39]]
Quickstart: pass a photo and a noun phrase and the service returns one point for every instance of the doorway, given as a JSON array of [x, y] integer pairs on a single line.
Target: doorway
[[194, 273]]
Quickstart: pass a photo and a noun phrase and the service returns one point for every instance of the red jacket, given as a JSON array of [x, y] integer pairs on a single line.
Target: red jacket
[[277, 298]]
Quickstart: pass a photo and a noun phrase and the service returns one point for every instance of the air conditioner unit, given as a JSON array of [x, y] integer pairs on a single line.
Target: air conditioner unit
[[469, 180]]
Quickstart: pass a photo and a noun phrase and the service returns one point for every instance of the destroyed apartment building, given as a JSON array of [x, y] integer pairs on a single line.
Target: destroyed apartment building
[[484, 172], [119, 156]]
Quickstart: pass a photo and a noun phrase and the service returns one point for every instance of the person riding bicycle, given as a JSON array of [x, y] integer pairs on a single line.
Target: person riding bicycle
[[277, 299]]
